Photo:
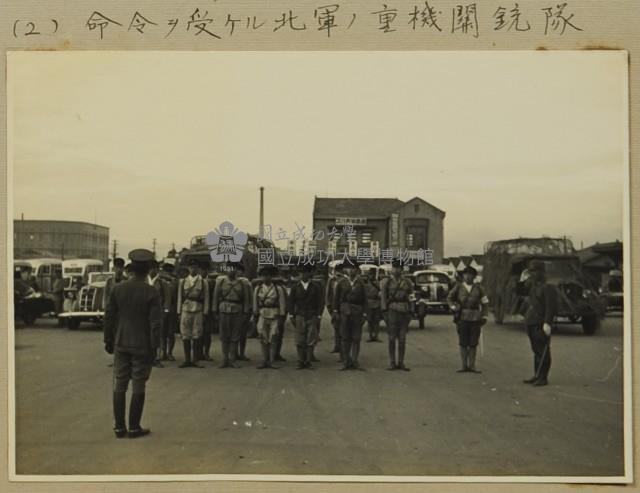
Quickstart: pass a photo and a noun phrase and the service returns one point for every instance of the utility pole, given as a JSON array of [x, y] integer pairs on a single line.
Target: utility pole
[[115, 249], [154, 247], [261, 228]]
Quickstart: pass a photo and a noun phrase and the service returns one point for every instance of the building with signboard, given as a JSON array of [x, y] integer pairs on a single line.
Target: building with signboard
[[60, 239], [379, 224]]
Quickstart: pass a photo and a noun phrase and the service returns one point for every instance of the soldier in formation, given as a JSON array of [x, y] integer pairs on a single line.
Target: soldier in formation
[[269, 308], [231, 304], [373, 313], [305, 308], [470, 306], [349, 305], [193, 304], [396, 302]]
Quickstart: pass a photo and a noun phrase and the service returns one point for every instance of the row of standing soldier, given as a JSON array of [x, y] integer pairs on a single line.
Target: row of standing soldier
[[141, 316]]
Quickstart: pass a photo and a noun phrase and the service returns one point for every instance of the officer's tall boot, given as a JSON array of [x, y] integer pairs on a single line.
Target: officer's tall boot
[[119, 409], [309, 357], [186, 344], [355, 354], [463, 357], [242, 349], [346, 355], [336, 340], [265, 356], [197, 353], [402, 347], [278, 348], [163, 349], [392, 354], [472, 360], [312, 355], [233, 354], [301, 357], [206, 347], [269, 353], [135, 415], [170, 345], [225, 354]]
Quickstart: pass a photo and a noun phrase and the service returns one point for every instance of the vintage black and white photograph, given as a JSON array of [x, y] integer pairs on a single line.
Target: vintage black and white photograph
[[331, 265]]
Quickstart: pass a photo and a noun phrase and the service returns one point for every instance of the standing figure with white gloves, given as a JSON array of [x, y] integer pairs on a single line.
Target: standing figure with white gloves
[[541, 311]]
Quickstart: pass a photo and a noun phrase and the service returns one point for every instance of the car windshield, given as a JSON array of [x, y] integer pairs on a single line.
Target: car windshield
[[100, 277], [430, 277]]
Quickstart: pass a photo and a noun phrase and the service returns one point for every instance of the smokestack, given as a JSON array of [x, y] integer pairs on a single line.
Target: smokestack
[[261, 228]]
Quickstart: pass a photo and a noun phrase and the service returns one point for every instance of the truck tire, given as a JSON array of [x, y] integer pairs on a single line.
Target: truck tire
[[73, 324], [590, 324]]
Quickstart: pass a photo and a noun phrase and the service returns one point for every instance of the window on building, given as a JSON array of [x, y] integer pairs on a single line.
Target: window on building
[[365, 237], [416, 208], [409, 240]]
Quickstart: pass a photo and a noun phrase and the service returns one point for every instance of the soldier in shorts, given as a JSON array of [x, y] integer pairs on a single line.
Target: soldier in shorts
[[269, 307], [193, 304]]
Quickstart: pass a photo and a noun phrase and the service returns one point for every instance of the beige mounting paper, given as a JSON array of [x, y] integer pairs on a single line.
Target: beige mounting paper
[[307, 26]]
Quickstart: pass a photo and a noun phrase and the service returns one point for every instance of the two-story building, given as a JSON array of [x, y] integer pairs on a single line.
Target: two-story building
[[379, 223]]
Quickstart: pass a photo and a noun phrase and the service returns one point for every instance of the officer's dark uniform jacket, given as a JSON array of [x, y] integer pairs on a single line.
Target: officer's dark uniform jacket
[[350, 296], [471, 302], [542, 304], [307, 302], [133, 318]]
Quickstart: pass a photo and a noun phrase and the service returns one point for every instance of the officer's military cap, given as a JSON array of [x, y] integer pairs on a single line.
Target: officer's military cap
[[118, 262], [537, 265], [470, 270], [141, 255], [167, 267]]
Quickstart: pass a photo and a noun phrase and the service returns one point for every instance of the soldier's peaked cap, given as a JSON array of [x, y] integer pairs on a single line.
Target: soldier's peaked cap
[[469, 270], [268, 270], [141, 255], [306, 267]]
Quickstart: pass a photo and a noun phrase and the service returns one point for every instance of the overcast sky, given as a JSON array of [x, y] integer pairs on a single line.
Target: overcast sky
[[169, 145]]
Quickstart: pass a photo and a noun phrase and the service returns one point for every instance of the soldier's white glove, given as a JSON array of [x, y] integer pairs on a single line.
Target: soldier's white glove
[[547, 329]]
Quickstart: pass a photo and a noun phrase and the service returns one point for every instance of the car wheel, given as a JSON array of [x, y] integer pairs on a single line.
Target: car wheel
[[590, 325]]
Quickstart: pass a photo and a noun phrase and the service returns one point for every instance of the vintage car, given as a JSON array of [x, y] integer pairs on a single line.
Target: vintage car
[[85, 305], [432, 289], [506, 280], [29, 304], [613, 290]]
